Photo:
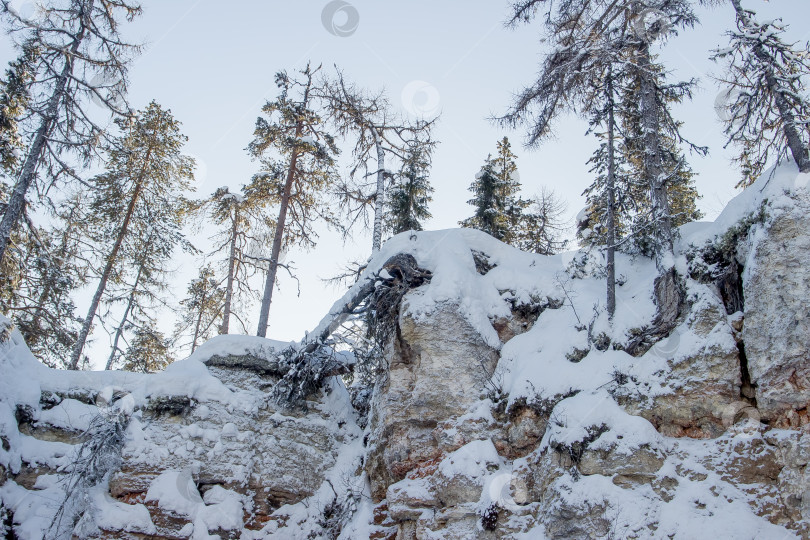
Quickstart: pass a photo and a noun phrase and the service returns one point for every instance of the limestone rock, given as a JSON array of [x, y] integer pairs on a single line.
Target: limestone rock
[[644, 461], [777, 319], [702, 387], [437, 369]]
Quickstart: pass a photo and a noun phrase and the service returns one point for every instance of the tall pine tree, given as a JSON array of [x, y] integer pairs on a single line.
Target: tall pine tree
[[239, 246], [67, 47], [297, 155], [202, 309], [145, 177], [149, 351]]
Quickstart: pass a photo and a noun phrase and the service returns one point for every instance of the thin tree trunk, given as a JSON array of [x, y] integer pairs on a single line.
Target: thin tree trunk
[[611, 204], [798, 149], [120, 331], [105, 275], [650, 118], [29, 169], [226, 311], [267, 298], [198, 324], [269, 283], [379, 200]]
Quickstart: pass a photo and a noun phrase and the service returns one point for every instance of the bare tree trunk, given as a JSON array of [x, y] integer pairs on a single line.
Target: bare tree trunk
[[798, 149], [379, 199], [198, 324], [269, 283], [105, 275], [120, 331], [650, 118], [29, 169], [611, 204], [226, 311]]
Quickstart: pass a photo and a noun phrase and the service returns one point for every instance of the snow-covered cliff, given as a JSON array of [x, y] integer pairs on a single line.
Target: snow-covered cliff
[[510, 407]]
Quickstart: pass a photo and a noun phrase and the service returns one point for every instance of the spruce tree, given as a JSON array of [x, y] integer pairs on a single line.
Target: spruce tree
[[66, 47], [767, 111], [593, 42], [409, 196], [497, 207], [297, 156], [675, 174], [14, 99], [145, 177]]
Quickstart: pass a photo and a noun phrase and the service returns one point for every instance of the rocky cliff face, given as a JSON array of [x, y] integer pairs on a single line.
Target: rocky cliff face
[[510, 407]]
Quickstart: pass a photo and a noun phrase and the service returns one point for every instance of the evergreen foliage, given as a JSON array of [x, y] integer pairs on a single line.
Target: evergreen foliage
[[148, 352], [201, 310], [70, 53], [138, 200], [297, 156], [410, 194], [495, 190]]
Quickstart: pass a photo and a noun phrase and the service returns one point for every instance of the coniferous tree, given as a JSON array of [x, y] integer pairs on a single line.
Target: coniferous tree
[[146, 175], [149, 351], [14, 99], [590, 37], [581, 75], [767, 109], [68, 46], [380, 132], [541, 228], [239, 246], [409, 196], [595, 42], [489, 215], [676, 174], [297, 156], [497, 207], [202, 309], [143, 279], [44, 311]]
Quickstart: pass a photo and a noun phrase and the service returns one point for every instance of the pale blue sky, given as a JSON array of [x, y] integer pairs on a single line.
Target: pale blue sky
[[213, 64]]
